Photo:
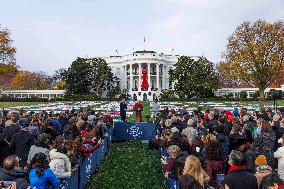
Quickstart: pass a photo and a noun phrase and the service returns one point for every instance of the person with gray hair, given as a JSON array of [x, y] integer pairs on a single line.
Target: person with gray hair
[[190, 132], [174, 151], [237, 176], [282, 123]]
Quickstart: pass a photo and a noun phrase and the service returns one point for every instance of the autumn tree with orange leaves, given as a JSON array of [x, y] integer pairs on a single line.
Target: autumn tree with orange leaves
[[8, 67], [254, 56], [25, 80]]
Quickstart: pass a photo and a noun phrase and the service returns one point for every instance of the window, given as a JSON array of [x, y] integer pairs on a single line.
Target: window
[[118, 71]]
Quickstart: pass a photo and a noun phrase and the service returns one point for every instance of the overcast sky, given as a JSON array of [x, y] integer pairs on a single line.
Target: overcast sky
[[50, 34]]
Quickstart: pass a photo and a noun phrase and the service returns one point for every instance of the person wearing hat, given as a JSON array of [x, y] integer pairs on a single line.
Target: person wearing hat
[[262, 169], [138, 108]]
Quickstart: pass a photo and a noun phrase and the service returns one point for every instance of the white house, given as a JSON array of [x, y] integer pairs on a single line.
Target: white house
[[128, 69]]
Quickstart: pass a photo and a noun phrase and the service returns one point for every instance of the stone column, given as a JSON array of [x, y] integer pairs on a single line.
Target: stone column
[[163, 76], [139, 76], [149, 77], [158, 77], [167, 80], [130, 78], [125, 77]]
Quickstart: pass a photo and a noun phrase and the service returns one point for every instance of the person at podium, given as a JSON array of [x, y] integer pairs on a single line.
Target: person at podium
[[138, 108]]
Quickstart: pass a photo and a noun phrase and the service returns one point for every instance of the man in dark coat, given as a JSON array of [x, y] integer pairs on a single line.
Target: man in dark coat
[[123, 109], [11, 172], [22, 142], [238, 177]]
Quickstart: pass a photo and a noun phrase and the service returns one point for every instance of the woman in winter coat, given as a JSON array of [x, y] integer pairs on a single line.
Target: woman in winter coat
[[214, 161], [279, 154], [173, 151], [60, 163], [262, 169], [40, 146], [264, 143], [40, 175]]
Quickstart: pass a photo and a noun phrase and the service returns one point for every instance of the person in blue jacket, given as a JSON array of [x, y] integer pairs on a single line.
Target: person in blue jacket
[[39, 173]]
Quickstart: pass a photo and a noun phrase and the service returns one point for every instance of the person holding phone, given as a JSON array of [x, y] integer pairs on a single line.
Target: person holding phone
[[11, 175], [8, 185]]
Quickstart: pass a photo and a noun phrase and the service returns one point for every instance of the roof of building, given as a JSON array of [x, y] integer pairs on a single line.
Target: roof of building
[[144, 51]]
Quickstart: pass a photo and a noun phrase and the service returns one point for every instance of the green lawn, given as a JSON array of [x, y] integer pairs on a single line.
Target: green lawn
[[129, 165], [14, 104], [132, 118]]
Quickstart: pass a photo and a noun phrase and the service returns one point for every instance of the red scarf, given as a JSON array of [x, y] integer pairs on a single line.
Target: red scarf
[[237, 168]]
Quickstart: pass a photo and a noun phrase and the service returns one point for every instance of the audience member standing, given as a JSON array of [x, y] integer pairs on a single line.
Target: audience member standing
[[238, 177], [22, 142]]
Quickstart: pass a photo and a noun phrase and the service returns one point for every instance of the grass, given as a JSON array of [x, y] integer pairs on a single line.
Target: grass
[[131, 118], [14, 104], [129, 165]]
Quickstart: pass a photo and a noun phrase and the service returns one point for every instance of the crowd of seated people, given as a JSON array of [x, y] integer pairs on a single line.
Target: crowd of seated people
[[37, 150], [235, 149]]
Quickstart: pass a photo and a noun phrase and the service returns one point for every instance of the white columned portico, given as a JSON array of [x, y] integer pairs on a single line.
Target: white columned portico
[[158, 77], [139, 76], [149, 76], [130, 77]]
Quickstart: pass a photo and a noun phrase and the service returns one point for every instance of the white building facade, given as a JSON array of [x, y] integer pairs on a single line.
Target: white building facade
[[143, 74], [33, 93], [250, 91]]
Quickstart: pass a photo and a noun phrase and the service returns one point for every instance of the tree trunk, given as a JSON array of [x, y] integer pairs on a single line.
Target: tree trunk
[[261, 94]]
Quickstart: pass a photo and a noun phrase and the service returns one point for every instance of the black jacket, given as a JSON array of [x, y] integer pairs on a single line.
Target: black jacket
[[15, 176], [241, 180], [179, 164], [22, 142], [5, 149], [189, 182], [123, 108], [236, 140], [249, 156], [210, 124]]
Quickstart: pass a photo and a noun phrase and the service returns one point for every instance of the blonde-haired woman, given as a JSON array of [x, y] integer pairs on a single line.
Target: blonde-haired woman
[[194, 177]]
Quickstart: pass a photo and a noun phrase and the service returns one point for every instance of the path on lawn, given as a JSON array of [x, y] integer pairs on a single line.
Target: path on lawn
[[129, 165]]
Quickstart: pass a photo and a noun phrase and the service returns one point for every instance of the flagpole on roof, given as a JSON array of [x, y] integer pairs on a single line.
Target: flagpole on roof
[[144, 43]]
